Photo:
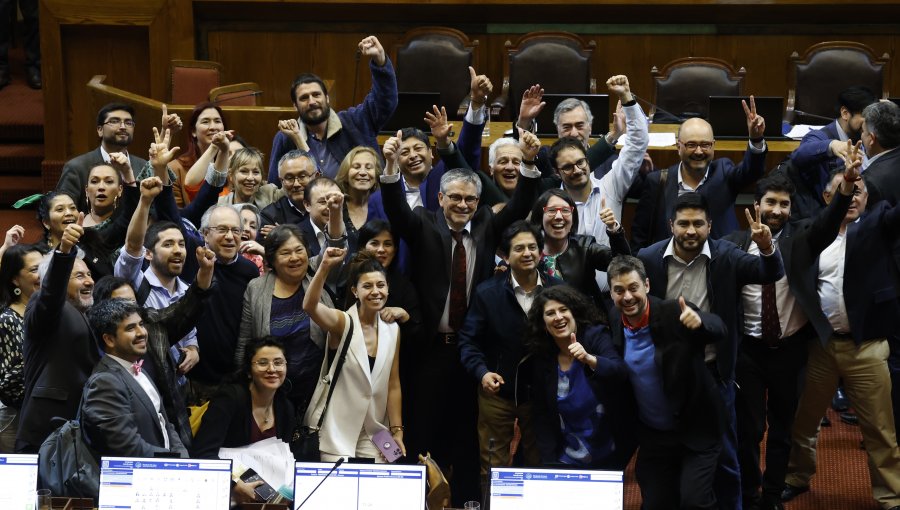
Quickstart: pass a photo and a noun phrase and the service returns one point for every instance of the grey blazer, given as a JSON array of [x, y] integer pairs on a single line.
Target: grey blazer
[[119, 418]]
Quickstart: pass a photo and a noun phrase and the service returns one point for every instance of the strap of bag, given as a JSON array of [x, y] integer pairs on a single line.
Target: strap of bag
[[658, 203], [337, 372]]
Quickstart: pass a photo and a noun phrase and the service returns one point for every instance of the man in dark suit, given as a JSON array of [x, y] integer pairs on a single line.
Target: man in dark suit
[[718, 180], [881, 137], [296, 169], [452, 251], [58, 348], [679, 407], [849, 293], [121, 409], [772, 355], [115, 128], [710, 273]]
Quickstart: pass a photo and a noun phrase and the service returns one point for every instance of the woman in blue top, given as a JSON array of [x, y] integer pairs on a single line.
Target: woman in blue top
[[580, 419]]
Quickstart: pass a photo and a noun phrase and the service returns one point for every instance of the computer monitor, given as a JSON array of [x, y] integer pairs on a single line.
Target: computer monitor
[[729, 121], [164, 484], [18, 480], [598, 103], [410, 111], [359, 486], [569, 489]]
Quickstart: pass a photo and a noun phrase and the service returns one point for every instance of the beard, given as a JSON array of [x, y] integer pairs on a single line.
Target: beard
[[316, 117], [117, 141]]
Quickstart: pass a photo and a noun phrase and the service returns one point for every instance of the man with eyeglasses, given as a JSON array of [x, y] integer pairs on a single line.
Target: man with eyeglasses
[[296, 169], [115, 128], [452, 251], [217, 330], [718, 180]]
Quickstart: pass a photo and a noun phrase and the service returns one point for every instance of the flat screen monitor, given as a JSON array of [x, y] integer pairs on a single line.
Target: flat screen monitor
[[569, 489], [598, 103], [410, 111], [359, 486], [164, 484], [18, 480], [729, 121]]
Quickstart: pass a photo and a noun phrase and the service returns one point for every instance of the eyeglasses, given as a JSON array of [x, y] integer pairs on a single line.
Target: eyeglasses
[[223, 230], [115, 121], [581, 163], [551, 211], [469, 200], [290, 179], [264, 364], [692, 146]]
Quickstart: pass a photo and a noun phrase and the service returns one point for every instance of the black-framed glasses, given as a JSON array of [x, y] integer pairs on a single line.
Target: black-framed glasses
[[581, 163], [291, 179], [692, 146], [469, 200], [115, 121]]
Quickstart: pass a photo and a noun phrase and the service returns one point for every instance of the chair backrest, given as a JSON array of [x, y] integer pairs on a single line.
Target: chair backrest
[[559, 61], [191, 80], [824, 71], [435, 59], [239, 94], [683, 86]]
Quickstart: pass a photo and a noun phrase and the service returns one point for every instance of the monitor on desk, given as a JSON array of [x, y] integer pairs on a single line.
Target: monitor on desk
[[598, 103], [571, 489], [410, 111], [18, 480], [729, 121], [163, 484], [359, 486]]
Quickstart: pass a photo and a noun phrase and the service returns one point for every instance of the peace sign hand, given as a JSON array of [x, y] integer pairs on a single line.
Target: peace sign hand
[[852, 164], [759, 232], [756, 124]]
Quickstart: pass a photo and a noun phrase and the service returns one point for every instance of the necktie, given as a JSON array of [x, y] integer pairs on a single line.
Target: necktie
[[136, 367], [771, 327], [457, 307]]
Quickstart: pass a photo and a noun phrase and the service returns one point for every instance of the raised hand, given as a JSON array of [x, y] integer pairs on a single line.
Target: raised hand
[[608, 217], [160, 153], [759, 231], [170, 121], [391, 152], [332, 257], [619, 86], [689, 317], [577, 351], [335, 202], [122, 164], [756, 124], [480, 87], [393, 314], [529, 144], [531, 105], [222, 139], [250, 246], [206, 258], [440, 126], [852, 157], [491, 382], [150, 188], [618, 122], [289, 127], [371, 47], [72, 234], [13, 236]]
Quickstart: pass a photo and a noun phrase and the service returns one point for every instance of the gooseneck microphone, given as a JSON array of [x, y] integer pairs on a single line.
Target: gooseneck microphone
[[335, 466]]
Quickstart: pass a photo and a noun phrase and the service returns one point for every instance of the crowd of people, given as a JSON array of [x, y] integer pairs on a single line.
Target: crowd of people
[[491, 316]]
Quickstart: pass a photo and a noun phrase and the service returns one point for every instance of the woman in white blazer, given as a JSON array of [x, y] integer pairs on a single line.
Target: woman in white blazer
[[367, 395]]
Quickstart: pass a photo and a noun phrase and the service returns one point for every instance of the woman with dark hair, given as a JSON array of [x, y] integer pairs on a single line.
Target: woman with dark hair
[[368, 388], [254, 407], [579, 417], [19, 279], [55, 210], [572, 257], [207, 138], [273, 306]]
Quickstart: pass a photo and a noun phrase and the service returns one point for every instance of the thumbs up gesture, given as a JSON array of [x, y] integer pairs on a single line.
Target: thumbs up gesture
[[392, 152], [480, 88], [608, 217], [72, 234], [689, 317], [577, 351]]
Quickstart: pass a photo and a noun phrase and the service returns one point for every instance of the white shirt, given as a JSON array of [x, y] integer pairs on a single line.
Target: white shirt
[[469, 243], [831, 284], [151, 392], [525, 299], [412, 194], [683, 187], [790, 316]]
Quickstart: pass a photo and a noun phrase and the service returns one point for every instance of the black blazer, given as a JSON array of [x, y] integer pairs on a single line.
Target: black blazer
[[59, 352], [226, 422], [428, 236], [687, 383], [75, 173], [584, 255], [883, 178]]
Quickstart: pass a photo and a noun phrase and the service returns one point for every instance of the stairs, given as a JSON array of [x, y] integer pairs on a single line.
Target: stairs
[[21, 135]]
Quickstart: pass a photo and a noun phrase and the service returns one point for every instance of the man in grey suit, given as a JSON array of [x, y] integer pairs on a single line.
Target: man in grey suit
[[115, 128], [121, 409]]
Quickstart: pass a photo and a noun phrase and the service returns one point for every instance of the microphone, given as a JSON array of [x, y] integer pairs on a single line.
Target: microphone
[[335, 466], [813, 116], [248, 94]]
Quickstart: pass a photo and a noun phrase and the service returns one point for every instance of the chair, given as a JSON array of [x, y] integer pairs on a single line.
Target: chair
[[239, 94], [559, 61], [824, 71], [191, 80], [436, 59], [683, 86]]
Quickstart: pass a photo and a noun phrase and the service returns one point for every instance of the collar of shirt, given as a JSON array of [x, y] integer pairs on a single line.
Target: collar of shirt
[[595, 188], [842, 136], [516, 286], [875, 157], [466, 230], [125, 364], [407, 188], [105, 155], [670, 251], [643, 323], [683, 186], [153, 280]]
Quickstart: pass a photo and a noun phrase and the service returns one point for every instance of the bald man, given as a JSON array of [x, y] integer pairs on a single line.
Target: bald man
[[719, 180]]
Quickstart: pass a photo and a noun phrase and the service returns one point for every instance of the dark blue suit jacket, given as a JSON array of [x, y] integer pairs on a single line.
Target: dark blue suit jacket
[[812, 160], [727, 271]]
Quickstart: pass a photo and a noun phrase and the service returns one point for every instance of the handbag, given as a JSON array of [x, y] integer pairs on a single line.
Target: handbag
[[305, 443]]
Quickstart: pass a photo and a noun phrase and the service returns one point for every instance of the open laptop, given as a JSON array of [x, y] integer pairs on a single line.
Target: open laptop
[[163, 484], [598, 103], [359, 486], [569, 489], [729, 121], [410, 111], [18, 480]]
